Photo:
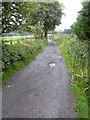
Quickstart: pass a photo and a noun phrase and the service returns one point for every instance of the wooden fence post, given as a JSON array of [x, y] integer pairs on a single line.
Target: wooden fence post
[[11, 42]]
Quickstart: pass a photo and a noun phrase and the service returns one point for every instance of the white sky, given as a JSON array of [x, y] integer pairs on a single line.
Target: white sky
[[71, 9]]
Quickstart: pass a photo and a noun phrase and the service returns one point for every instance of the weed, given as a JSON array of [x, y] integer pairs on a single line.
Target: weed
[[75, 53]]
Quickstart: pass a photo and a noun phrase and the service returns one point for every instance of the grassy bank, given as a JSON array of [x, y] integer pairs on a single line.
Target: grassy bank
[[18, 55], [75, 53]]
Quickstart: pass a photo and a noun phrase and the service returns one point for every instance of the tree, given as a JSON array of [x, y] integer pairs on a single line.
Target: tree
[[82, 26], [37, 30], [68, 31], [10, 16], [49, 14], [23, 15], [15, 15]]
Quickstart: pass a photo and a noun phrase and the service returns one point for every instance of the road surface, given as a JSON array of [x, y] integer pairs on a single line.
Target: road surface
[[41, 90]]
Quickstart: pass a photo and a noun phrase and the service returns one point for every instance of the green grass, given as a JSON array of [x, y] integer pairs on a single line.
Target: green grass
[[18, 65], [81, 106], [75, 54], [15, 39], [7, 38]]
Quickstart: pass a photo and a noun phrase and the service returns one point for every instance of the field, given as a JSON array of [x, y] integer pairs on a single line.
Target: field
[[18, 54], [75, 53], [14, 39]]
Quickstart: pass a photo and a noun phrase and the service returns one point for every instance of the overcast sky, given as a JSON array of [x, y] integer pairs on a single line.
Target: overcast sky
[[71, 9]]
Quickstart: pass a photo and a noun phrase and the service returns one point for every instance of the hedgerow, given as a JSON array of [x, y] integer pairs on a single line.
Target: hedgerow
[[19, 53]]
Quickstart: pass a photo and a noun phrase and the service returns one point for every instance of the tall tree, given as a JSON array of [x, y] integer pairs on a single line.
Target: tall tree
[[49, 14], [16, 14], [82, 26], [24, 15], [68, 31], [10, 16]]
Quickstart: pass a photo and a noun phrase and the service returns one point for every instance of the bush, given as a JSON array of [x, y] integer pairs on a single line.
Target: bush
[[5, 57], [19, 52]]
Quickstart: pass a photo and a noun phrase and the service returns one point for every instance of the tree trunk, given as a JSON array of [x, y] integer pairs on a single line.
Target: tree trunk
[[45, 35], [42, 36]]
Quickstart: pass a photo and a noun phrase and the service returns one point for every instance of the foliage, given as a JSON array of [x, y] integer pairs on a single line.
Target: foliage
[[75, 53], [10, 16], [37, 30], [82, 26], [15, 16], [78, 55], [23, 15], [18, 52], [50, 14], [68, 31], [16, 56], [81, 106]]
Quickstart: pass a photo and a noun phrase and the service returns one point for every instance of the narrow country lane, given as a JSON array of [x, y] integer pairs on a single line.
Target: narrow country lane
[[41, 90]]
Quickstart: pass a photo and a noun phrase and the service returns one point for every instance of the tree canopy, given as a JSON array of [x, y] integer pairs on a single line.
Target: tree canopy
[[50, 14], [14, 15], [82, 26], [23, 15], [68, 31]]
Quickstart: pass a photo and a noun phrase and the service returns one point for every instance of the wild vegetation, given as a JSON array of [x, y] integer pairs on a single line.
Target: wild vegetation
[[33, 17], [75, 50], [75, 53], [82, 26], [39, 19], [17, 55]]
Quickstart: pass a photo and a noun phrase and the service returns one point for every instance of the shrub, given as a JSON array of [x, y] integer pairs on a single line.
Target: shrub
[[19, 52]]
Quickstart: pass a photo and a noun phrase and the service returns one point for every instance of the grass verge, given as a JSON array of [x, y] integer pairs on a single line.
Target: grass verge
[[81, 106], [72, 51]]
